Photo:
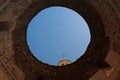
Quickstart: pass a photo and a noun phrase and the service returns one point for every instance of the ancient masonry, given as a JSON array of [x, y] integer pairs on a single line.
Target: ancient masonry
[[100, 62]]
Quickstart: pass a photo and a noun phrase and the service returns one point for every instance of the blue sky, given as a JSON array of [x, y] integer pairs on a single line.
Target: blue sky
[[56, 31]]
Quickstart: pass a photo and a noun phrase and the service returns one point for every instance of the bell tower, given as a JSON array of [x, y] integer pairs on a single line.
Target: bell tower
[[64, 61]]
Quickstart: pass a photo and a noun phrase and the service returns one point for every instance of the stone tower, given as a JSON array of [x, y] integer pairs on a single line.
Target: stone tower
[[64, 62]]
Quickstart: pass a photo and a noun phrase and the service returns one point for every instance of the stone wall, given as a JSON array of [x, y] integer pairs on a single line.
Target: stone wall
[[17, 62]]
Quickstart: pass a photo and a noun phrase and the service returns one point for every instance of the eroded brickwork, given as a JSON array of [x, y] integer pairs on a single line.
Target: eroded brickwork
[[17, 62]]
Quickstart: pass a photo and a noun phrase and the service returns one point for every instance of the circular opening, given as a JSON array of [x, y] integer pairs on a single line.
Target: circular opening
[[58, 36]]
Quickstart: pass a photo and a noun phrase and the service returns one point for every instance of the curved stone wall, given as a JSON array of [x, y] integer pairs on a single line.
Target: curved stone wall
[[17, 62]]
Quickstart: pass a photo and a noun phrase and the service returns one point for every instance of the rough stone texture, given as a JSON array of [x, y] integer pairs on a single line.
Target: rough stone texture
[[17, 62]]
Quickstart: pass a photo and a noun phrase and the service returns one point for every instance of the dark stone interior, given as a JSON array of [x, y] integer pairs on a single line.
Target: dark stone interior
[[95, 54], [4, 26], [103, 18]]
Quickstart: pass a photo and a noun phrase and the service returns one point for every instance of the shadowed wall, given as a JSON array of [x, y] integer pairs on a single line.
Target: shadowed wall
[[17, 62]]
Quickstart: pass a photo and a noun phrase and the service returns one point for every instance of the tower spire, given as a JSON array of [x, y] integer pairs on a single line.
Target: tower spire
[[64, 56], [64, 61]]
